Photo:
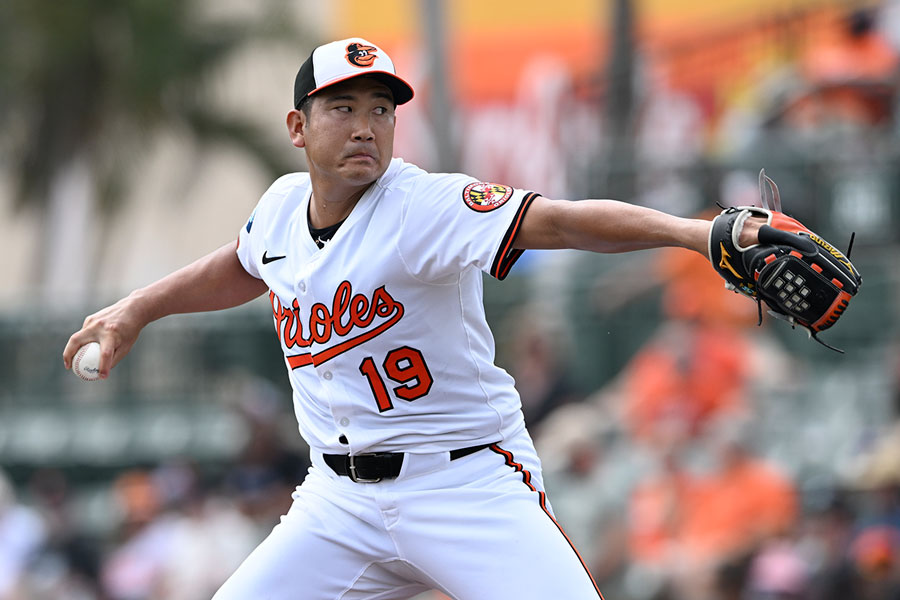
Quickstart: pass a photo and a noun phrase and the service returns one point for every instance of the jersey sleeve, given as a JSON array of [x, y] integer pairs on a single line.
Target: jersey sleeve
[[452, 222], [252, 235], [245, 242]]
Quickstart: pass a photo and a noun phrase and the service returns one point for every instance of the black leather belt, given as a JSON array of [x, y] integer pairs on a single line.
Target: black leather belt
[[375, 466]]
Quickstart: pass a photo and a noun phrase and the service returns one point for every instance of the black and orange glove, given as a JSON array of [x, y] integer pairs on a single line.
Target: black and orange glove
[[802, 278]]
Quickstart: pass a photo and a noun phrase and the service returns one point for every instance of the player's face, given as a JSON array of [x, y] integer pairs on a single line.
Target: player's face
[[349, 132]]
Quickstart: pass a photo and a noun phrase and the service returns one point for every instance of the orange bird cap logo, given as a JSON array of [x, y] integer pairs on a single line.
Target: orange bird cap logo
[[361, 55]]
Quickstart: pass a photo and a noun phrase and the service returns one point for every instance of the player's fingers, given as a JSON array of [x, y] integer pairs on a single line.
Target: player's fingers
[[93, 330], [115, 355], [115, 328], [113, 347], [107, 352], [67, 354], [749, 234], [76, 341]]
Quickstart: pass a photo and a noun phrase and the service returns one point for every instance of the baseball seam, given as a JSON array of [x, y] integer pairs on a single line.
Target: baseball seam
[[77, 363]]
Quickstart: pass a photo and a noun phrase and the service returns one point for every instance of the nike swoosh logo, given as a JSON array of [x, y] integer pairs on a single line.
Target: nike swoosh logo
[[267, 259]]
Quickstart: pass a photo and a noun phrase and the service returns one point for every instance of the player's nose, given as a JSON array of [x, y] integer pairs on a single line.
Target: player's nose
[[363, 130]]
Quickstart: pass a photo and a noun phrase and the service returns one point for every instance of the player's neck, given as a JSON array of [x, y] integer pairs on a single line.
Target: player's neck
[[329, 205]]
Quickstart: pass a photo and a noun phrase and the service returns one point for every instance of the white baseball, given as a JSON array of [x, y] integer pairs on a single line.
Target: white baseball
[[87, 362]]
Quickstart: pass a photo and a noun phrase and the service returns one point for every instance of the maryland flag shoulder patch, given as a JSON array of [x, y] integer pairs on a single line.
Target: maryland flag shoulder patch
[[485, 197]]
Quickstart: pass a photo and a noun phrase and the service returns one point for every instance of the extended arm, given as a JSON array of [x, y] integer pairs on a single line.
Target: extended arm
[[761, 253], [608, 226], [214, 282]]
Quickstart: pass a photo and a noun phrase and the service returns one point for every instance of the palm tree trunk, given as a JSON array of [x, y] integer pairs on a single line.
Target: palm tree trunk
[[66, 252]]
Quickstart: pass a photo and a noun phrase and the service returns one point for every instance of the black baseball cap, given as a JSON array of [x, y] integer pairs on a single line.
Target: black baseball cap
[[344, 59]]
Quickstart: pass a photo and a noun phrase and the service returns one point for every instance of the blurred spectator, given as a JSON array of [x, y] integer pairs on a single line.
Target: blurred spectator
[[180, 552], [537, 353], [779, 572], [688, 526], [850, 77], [745, 501], [826, 540], [22, 533], [874, 552], [657, 511], [266, 470], [875, 555], [133, 570], [211, 537], [878, 467], [699, 362], [656, 514], [68, 566], [687, 375]]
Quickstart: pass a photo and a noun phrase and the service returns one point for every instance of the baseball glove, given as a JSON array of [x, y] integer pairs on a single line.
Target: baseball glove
[[802, 278]]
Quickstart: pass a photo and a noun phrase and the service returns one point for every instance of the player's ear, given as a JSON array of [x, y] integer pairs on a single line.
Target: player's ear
[[296, 124]]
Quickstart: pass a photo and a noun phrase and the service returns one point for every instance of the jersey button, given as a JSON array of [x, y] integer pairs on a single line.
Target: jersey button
[[327, 375], [344, 421], [302, 287]]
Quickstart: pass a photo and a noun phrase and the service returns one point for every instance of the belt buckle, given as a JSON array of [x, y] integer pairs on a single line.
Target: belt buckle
[[352, 474]]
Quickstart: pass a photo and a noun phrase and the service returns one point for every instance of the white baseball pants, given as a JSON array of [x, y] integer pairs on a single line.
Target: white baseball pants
[[475, 528]]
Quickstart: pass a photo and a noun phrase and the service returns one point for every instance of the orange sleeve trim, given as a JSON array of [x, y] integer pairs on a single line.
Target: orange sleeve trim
[[508, 254]]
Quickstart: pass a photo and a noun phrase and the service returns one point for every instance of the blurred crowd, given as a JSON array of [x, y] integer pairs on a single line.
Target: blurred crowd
[[667, 479], [689, 497], [169, 531], [673, 479]]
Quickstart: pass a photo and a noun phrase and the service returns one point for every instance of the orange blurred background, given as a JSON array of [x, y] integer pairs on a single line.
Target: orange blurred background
[[702, 46]]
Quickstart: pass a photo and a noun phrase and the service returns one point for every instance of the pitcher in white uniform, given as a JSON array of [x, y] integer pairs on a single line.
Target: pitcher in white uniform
[[424, 476]]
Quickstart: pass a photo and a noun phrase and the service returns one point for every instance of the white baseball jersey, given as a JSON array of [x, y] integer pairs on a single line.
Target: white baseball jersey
[[383, 330]]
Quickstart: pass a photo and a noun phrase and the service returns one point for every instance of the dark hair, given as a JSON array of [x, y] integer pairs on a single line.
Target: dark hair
[[305, 106], [860, 22]]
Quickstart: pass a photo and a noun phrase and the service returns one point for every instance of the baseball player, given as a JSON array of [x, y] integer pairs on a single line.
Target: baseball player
[[424, 475]]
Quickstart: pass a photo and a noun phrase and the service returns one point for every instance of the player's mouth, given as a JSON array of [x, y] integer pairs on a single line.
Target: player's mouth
[[363, 156]]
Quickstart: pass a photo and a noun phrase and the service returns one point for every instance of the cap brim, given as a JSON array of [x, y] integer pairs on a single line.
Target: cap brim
[[402, 91]]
